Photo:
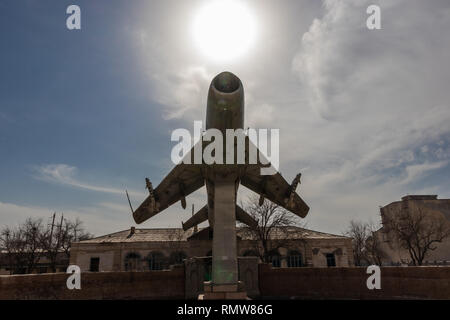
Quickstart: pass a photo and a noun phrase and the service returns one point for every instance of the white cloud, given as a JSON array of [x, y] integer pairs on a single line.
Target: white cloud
[[372, 89], [182, 92], [355, 111], [375, 98], [419, 170], [98, 219], [65, 175]]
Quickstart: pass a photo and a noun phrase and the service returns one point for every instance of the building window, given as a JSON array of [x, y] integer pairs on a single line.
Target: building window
[[42, 269], [294, 259], [275, 260], [177, 257], [132, 261], [331, 260], [155, 261], [250, 253], [94, 265]]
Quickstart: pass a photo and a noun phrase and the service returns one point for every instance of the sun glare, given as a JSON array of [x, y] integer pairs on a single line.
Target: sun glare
[[224, 29]]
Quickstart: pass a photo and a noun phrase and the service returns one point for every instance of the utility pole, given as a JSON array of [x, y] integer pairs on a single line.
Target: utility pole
[[58, 243], [50, 240], [51, 231], [59, 231]]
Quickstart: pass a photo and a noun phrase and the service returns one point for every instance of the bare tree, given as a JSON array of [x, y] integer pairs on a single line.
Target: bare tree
[[72, 231], [177, 237], [359, 233], [415, 231], [12, 242], [366, 243], [33, 233], [274, 229], [27, 243], [23, 245], [375, 253]]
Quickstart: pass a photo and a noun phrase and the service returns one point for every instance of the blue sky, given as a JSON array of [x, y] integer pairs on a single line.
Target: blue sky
[[72, 98], [85, 114]]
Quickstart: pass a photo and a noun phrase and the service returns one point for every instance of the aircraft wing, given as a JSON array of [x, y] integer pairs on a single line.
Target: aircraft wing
[[179, 183], [274, 188]]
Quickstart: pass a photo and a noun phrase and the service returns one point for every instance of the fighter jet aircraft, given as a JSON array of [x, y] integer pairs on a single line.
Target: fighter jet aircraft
[[225, 110]]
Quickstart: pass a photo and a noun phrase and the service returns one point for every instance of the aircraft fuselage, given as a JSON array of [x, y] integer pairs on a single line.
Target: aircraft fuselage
[[225, 110]]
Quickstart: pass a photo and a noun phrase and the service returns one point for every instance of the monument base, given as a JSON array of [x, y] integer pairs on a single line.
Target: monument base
[[223, 291]]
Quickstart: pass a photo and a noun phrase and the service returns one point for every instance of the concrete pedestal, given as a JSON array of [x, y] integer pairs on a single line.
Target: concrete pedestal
[[224, 251], [223, 292]]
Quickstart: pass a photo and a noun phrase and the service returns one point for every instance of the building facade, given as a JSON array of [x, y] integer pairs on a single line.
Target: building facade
[[158, 249], [437, 210]]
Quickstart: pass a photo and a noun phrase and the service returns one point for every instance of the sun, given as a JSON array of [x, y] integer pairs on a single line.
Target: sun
[[224, 29]]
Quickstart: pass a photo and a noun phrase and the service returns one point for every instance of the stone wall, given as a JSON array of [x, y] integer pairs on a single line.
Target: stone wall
[[350, 283], [100, 285]]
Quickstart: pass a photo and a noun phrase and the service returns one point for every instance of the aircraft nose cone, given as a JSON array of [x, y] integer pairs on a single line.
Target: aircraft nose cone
[[226, 82], [225, 109]]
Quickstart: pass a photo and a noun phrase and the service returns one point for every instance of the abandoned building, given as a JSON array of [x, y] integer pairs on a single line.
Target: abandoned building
[[434, 209], [157, 249]]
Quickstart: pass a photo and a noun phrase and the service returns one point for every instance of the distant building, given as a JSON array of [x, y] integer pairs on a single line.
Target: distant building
[[9, 263], [431, 206], [156, 249]]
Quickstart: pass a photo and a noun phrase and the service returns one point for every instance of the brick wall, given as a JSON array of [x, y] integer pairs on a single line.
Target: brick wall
[[103, 285], [309, 283], [350, 283]]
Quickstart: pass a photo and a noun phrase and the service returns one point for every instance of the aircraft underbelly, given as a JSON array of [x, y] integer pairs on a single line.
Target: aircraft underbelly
[[210, 190]]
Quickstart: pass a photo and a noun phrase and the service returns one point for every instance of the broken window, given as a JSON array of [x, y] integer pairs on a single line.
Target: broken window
[[94, 265], [331, 260]]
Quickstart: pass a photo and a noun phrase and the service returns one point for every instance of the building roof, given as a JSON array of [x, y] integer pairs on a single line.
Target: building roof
[[177, 234], [419, 197], [291, 233], [430, 203]]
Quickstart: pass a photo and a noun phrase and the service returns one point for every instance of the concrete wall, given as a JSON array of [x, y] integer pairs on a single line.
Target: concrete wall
[[102, 285], [350, 283]]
